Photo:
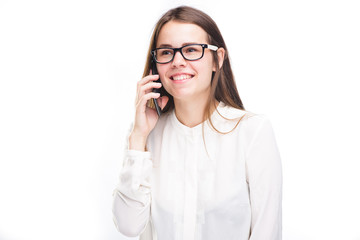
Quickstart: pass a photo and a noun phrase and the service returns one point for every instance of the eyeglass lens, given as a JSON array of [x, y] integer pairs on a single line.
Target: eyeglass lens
[[191, 52]]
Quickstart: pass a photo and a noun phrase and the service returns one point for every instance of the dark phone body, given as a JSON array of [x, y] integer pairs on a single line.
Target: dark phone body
[[157, 90]]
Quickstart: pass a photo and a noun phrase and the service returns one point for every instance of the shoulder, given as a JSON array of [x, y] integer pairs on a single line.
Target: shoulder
[[254, 128], [247, 121], [247, 126]]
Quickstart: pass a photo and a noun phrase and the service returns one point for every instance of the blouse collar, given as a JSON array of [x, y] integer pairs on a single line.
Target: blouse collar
[[197, 130]]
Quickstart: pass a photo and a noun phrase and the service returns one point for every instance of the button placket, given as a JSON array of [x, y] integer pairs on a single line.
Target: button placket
[[190, 194]]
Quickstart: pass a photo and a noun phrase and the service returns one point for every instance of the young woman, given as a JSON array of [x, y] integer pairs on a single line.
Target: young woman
[[206, 168]]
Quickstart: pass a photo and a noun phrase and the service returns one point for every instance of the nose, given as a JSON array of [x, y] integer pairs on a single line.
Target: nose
[[178, 60]]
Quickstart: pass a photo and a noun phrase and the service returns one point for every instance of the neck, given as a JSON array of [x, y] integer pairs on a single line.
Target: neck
[[191, 113]]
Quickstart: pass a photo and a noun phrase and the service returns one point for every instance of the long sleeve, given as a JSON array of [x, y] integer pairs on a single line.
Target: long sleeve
[[264, 176], [132, 196]]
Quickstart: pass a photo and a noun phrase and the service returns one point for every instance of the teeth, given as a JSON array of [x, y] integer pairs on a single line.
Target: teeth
[[181, 77]]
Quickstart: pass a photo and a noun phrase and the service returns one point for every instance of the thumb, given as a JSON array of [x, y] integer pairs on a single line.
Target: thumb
[[163, 101]]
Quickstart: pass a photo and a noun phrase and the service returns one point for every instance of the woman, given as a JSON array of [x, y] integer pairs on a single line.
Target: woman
[[206, 168]]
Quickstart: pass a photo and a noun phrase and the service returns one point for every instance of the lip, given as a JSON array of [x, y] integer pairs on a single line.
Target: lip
[[182, 79]]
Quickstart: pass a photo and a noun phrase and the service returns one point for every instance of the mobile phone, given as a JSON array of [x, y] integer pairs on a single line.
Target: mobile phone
[[157, 90]]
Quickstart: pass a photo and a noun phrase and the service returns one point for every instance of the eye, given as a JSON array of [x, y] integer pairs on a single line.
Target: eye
[[164, 52], [191, 49]]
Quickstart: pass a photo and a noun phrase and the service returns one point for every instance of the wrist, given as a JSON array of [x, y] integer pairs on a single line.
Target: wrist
[[137, 142]]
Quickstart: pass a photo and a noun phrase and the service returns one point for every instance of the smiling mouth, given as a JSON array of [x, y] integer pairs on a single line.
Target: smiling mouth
[[181, 77]]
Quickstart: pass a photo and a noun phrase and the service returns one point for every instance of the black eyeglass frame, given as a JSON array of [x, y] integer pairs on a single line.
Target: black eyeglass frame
[[209, 46]]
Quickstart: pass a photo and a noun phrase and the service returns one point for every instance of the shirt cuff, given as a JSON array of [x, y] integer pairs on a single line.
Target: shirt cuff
[[135, 175]]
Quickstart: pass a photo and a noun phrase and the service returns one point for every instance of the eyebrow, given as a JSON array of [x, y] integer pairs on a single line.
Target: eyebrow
[[170, 46]]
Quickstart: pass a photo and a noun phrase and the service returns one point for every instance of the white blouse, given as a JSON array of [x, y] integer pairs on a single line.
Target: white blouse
[[198, 184]]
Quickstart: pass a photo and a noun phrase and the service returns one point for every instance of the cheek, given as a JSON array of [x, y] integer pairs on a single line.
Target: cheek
[[161, 68], [208, 65], [205, 71]]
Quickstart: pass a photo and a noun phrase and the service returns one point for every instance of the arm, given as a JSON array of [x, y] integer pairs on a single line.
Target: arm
[[132, 196], [264, 176]]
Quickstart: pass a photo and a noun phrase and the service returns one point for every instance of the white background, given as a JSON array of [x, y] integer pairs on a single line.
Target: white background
[[68, 71]]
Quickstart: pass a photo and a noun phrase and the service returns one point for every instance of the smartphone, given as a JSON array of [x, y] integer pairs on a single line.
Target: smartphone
[[157, 90]]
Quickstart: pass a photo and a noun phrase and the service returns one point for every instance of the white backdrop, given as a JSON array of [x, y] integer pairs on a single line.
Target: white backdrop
[[68, 72]]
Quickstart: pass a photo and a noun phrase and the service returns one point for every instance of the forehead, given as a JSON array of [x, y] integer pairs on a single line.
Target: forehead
[[176, 34]]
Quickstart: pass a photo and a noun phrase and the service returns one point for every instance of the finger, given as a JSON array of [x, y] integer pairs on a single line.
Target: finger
[[146, 79], [148, 88], [142, 103], [142, 82]]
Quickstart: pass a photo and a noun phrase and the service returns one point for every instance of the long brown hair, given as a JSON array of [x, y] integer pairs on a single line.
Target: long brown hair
[[223, 86]]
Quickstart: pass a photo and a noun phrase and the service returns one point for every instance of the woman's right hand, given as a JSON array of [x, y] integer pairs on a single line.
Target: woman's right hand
[[145, 117]]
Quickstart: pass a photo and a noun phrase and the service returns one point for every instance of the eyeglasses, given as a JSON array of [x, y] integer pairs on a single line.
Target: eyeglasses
[[189, 52]]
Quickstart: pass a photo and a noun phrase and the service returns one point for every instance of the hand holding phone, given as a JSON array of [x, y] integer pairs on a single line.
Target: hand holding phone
[[145, 119]]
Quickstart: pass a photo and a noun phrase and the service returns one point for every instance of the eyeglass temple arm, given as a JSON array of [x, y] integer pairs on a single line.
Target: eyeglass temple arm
[[212, 47]]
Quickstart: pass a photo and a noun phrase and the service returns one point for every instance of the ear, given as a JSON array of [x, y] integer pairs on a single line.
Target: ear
[[221, 55]]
